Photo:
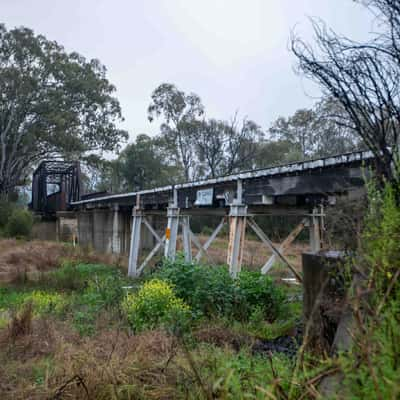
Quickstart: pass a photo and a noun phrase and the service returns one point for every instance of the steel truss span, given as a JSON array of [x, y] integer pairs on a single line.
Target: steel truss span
[[55, 185]]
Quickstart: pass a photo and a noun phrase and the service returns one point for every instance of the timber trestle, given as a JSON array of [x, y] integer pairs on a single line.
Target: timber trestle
[[238, 219], [129, 223]]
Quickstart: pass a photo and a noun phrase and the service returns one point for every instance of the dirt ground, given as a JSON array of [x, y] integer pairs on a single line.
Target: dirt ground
[[255, 253], [27, 259]]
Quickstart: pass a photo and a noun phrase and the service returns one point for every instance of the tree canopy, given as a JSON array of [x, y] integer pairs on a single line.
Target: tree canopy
[[52, 103]]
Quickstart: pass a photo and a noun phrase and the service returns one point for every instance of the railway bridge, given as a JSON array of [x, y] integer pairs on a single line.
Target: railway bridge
[[128, 223]]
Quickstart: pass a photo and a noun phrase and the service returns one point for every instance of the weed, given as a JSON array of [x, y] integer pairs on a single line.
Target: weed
[[155, 304], [21, 324], [210, 291], [20, 223]]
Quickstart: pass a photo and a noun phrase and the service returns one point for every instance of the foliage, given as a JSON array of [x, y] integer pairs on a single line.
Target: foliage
[[363, 79], [19, 223], [224, 147], [52, 103], [180, 112], [310, 133], [261, 292], [210, 291], [43, 302], [381, 236], [240, 375], [155, 304], [376, 354], [6, 209], [72, 276], [371, 367]]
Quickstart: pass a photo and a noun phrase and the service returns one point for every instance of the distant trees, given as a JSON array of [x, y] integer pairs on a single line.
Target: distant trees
[[180, 113], [363, 78], [225, 147], [191, 146], [311, 133], [51, 104], [201, 147]]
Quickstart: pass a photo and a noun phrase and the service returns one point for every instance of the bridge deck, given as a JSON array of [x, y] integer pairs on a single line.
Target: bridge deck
[[300, 181]]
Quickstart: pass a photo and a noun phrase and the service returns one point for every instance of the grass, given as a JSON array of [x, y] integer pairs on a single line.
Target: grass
[[79, 345]]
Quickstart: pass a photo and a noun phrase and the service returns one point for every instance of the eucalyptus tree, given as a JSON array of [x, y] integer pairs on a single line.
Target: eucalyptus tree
[[180, 114], [52, 103]]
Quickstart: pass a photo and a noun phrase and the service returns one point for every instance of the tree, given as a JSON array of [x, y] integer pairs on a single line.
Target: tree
[[364, 79], [210, 142], [142, 165], [241, 145], [226, 147], [51, 104], [297, 130], [180, 113], [275, 152], [331, 138]]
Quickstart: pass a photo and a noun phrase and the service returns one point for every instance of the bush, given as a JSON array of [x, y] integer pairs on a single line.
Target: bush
[[260, 292], [153, 305], [210, 291], [6, 209], [19, 223], [73, 276]]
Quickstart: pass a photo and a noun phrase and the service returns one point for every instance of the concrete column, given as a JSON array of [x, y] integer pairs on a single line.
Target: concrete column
[[135, 241], [116, 244], [187, 243], [323, 297], [315, 231], [85, 228], [102, 230]]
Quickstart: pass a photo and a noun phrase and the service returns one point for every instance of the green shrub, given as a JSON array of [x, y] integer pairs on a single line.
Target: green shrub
[[210, 291], [155, 304], [19, 223], [260, 292], [6, 209], [77, 276]]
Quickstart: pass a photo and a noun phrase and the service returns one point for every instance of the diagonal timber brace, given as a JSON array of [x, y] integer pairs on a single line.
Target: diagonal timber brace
[[212, 237], [264, 238], [285, 244], [138, 219]]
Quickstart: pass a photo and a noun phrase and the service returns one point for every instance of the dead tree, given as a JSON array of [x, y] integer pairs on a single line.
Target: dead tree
[[364, 79]]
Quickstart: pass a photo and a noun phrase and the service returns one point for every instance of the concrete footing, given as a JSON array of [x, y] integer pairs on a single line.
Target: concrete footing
[[323, 298]]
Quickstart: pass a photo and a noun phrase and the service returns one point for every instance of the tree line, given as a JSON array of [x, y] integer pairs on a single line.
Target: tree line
[[55, 104], [191, 146]]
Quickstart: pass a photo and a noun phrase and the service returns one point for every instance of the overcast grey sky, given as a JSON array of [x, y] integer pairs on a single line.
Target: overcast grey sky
[[233, 53]]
